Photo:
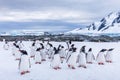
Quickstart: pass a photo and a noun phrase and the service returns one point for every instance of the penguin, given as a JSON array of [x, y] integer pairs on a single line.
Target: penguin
[[32, 50], [24, 63], [101, 57], [62, 53], [108, 56], [6, 45], [82, 58], [71, 59], [49, 50], [90, 57], [69, 43], [37, 56], [55, 62], [17, 52], [42, 52]]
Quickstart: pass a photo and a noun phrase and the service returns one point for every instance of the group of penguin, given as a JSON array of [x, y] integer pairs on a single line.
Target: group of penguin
[[41, 51]]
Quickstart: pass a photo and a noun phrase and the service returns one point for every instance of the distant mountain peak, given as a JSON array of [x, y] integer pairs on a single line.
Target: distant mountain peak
[[108, 24]]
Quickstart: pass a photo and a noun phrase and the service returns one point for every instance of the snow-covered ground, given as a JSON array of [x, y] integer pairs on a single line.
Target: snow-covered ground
[[9, 67]]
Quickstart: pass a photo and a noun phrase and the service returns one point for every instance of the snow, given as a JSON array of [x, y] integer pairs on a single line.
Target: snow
[[108, 21], [109, 71]]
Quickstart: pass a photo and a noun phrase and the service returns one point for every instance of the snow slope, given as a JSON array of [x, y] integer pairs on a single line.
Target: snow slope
[[109, 24], [9, 67]]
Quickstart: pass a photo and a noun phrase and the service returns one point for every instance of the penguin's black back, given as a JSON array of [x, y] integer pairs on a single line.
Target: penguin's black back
[[74, 49]]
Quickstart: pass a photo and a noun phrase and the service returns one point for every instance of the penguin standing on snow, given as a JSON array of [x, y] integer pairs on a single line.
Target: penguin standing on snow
[[49, 50], [90, 57], [38, 56], [82, 58], [42, 52], [72, 57], [101, 57], [17, 52], [24, 63], [108, 56], [62, 53], [69, 43], [55, 63], [32, 52]]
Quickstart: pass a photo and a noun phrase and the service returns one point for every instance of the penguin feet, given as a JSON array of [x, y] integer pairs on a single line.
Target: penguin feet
[[55, 68], [58, 67], [109, 61], [82, 66], [17, 58], [89, 62], [31, 56], [37, 62], [22, 73], [73, 67], [101, 63], [68, 65], [43, 59], [27, 71]]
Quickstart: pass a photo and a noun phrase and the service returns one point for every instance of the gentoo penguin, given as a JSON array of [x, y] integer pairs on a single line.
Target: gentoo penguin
[[32, 50], [62, 53], [82, 58], [90, 57], [37, 56], [69, 43], [101, 57], [49, 50], [71, 59], [17, 52], [55, 63], [24, 63], [108, 56], [43, 52]]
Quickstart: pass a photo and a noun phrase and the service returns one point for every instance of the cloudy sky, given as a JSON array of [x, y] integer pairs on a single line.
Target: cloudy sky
[[53, 15]]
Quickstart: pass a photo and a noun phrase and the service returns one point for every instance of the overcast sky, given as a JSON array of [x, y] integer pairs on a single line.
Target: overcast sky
[[53, 15]]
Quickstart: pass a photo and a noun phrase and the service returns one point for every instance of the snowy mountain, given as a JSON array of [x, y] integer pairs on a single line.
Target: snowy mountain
[[109, 24]]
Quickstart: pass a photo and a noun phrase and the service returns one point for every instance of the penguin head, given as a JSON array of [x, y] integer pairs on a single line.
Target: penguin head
[[70, 42], [72, 45], [50, 45], [74, 49], [90, 50], [24, 52], [33, 44], [111, 49], [70, 49], [62, 47], [38, 49], [103, 50], [55, 51], [84, 46], [82, 49]]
